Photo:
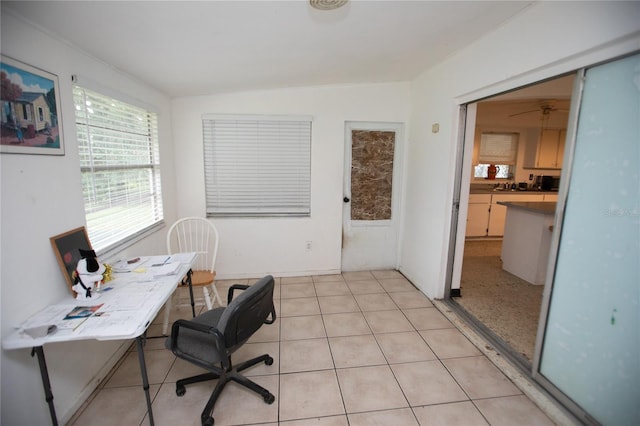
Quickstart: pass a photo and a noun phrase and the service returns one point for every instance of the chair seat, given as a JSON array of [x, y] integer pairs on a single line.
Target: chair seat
[[200, 278]]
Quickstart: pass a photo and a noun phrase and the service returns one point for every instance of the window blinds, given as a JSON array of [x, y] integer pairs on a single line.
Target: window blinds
[[120, 166], [257, 165], [498, 148]]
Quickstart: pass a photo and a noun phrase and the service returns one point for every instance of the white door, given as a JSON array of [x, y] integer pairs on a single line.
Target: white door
[[371, 195]]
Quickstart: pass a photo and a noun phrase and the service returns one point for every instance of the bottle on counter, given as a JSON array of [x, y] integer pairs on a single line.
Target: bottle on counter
[[492, 171]]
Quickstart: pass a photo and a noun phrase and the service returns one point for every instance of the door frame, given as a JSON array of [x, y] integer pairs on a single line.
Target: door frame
[[397, 182], [459, 209]]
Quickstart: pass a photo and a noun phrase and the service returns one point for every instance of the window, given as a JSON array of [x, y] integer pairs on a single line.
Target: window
[[503, 171], [119, 161], [257, 165], [499, 149]]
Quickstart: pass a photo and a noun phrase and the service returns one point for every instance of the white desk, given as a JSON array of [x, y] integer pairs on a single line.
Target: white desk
[[129, 303]]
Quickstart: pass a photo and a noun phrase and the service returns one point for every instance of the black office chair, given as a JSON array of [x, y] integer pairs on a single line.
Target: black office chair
[[209, 339]]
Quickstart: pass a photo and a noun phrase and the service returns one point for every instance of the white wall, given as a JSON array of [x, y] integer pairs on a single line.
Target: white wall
[[547, 39], [41, 196], [253, 247]]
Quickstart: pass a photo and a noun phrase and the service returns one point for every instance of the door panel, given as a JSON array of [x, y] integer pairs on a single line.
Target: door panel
[[371, 195], [591, 347]]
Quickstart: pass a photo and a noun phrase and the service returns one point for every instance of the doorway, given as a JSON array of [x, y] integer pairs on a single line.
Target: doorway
[[512, 133], [371, 195]]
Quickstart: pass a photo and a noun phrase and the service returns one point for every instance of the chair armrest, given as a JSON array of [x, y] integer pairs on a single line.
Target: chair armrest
[[192, 326], [233, 288], [202, 328], [273, 316]]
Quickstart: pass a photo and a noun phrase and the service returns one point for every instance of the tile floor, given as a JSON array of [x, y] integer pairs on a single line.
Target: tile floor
[[358, 348]]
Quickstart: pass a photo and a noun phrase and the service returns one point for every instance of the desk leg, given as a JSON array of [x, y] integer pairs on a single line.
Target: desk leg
[[145, 379], [189, 282], [44, 372]]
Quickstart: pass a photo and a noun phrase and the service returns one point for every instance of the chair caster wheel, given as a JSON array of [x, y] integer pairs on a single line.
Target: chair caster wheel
[[269, 399], [268, 361], [180, 390], [208, 422]]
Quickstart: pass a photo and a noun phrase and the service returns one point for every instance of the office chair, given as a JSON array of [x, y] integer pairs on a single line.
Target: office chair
[[209, 339], [196, 234]]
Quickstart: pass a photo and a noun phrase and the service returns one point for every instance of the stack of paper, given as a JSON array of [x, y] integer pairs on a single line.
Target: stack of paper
[[165, 269]]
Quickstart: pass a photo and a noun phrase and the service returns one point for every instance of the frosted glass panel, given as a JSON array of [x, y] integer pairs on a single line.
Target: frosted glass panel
[[591, 349]]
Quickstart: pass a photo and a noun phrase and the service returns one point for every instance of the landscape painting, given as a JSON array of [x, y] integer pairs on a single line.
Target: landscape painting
[[30, 117]]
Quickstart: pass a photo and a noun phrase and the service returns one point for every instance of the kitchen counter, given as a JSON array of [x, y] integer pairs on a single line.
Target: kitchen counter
[[527, 239], [508, 191], [544, 207]]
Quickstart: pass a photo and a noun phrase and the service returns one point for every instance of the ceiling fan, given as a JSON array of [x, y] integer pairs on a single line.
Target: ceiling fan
[[545, 109]]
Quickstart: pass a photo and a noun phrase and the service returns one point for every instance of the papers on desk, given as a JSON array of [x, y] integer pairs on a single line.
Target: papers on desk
[[67, 319], [82, 312], [150, 268], [165, 269]]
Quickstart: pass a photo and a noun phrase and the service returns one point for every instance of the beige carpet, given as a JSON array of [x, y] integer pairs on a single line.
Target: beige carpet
[[507, 305]]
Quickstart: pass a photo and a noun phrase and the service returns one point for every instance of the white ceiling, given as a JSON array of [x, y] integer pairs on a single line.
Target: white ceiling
[[188, 48]]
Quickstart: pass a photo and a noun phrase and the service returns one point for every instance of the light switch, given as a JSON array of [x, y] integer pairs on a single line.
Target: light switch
[[435, 127]]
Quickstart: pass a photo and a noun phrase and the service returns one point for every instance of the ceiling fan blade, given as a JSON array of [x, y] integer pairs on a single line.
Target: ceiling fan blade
[[525, 112]]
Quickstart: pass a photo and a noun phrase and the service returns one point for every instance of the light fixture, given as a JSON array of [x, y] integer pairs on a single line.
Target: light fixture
[[327, 4]]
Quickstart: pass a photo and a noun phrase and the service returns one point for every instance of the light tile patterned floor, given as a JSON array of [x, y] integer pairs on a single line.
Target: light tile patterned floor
[[359, 348]]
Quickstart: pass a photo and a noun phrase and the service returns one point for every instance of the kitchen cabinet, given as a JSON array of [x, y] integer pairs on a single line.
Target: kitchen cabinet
[[478, 215], [498, 212], [548, 152]]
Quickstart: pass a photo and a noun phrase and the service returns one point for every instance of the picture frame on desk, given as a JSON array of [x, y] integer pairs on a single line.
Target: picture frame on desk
[[31, 120], [66, 247]]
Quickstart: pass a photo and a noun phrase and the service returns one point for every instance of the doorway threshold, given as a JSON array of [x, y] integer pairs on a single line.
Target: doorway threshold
[[513, 365], [501, 347]]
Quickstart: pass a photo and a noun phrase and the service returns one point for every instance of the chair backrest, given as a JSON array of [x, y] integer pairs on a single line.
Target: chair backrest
[[247, 313], [195, 234]]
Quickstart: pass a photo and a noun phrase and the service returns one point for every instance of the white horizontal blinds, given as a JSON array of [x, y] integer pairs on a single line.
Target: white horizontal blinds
[[498, 148], [257, 166], [120, 165]]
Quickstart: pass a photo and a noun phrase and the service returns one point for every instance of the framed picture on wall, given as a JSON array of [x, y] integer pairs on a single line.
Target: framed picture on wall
[[67, 248], [30, 118]]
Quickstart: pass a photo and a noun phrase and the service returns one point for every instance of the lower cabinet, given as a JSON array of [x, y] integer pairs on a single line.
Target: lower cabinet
[[478, 215], [485, 217], [498, 212]]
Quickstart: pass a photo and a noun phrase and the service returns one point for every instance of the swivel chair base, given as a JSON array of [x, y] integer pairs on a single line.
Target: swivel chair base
[[225, 377]]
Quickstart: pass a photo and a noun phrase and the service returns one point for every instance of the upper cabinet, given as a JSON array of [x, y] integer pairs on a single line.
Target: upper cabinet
[[548, 152]]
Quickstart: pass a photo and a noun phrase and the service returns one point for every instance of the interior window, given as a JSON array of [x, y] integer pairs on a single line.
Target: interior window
[[257, 165], [503, 171], [120, 165]]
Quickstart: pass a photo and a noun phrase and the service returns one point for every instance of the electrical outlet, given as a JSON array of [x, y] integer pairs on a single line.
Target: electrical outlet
[[308, 246]]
